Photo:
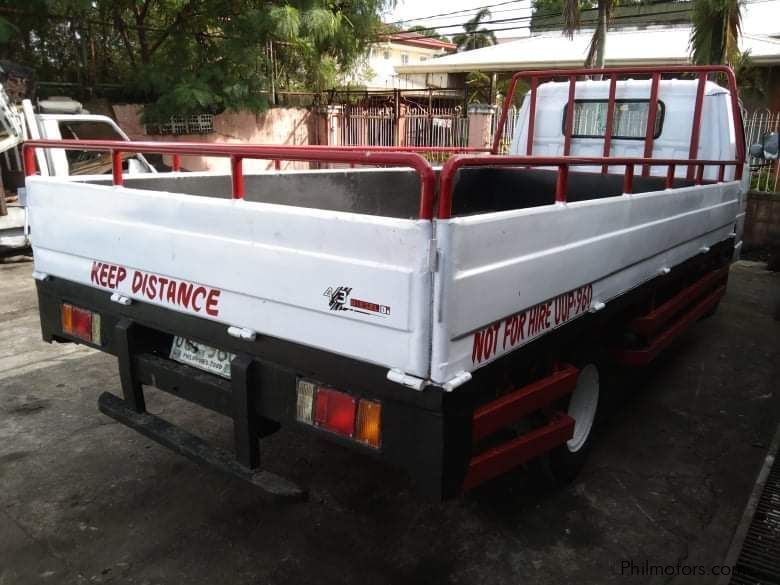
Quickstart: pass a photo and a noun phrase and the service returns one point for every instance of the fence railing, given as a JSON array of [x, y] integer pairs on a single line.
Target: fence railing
[[385, 125], [764, 175], [509, 129]]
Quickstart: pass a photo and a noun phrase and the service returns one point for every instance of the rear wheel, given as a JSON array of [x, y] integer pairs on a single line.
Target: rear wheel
[[562, 464]]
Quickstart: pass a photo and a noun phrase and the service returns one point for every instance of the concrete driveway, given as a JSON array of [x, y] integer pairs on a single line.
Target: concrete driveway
[[85, 500]]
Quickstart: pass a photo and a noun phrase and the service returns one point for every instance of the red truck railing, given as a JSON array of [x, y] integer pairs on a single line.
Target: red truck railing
[[366, 156], [562, 164], [613, 73], [465, 156]]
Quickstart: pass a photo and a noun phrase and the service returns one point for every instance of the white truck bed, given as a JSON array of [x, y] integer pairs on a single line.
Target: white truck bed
[[371, 287]]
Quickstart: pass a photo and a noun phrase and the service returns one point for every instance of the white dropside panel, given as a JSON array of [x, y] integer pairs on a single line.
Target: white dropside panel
[[507, 278], [354, 285]]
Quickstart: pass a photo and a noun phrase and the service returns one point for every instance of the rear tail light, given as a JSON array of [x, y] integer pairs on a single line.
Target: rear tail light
[[80, 323], [335, 411], [339, 413]]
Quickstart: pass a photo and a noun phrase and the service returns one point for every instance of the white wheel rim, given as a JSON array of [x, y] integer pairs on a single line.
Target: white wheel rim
[[582, 406]]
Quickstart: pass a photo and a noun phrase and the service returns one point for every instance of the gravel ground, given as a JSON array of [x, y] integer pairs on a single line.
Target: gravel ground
[[85, 500]]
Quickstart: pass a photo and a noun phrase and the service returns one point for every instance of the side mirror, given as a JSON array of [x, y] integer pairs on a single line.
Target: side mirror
[[768, 147]]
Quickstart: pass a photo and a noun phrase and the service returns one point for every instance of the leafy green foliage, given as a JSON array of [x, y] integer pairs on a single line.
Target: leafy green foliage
[[717, 25], [474, 36], [187, 56], [427, 32]]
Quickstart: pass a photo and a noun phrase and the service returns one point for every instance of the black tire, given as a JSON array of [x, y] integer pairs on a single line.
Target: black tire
[[562, 465]]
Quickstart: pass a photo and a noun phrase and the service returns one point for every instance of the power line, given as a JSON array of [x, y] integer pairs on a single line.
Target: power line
[[465, 10], [529, 26], [530, 18]]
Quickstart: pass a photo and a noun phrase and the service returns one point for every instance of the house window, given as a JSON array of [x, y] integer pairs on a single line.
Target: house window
[[386, 55], [404, 59], [629, 122], [423, 58]]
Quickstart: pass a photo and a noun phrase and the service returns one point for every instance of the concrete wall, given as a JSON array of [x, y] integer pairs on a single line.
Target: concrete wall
[[762, 224], [290, 126]]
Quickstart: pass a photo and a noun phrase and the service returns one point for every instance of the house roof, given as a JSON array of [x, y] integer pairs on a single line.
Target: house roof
[[418, 40], [554, 50]]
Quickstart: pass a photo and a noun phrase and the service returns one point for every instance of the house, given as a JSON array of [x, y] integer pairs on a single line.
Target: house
[[378, 70], [637, 45]]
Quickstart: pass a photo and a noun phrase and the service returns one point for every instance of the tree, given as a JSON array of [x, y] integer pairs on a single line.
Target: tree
[[188, 56], [717, 25], [431, 33], [473, 36], [598, 42]]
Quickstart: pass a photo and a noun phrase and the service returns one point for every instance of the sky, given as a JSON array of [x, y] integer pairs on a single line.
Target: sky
[[414, 12], [759, 16]]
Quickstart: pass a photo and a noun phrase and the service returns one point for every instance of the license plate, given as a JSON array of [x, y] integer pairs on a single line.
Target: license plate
[[202, 356]]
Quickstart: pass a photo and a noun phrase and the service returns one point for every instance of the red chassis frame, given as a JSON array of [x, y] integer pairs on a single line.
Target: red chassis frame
[[410, 156]]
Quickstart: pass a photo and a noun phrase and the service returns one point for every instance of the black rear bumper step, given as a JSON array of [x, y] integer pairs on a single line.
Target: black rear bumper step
[[195, 448]]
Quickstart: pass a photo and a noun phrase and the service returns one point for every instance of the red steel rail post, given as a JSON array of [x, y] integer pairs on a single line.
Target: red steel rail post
[[561, 183], [610, 119], [498, 134], [116, 166], [569, 124], [237, 176], [628, 179], [529, 147], [652, 113], [670, 176], [693, 151]]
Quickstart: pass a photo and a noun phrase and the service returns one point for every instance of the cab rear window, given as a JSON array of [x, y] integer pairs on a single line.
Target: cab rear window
[[629, 121]]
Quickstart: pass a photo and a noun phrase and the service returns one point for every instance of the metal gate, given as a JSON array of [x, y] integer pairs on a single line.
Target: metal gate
[[764, 175], [404, 118]]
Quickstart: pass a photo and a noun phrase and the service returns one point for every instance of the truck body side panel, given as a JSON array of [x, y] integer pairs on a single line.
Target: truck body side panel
[[564, 259], [355, 285]]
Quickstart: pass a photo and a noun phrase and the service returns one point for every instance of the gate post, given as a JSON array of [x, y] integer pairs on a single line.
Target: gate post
[[480, 125], [334, 124]]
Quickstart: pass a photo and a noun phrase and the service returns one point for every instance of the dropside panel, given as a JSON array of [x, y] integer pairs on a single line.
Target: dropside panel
[[355, 285], [507, 278]]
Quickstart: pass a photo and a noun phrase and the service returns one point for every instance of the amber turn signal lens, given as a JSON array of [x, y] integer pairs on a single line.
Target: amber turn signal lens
[[369, 423]]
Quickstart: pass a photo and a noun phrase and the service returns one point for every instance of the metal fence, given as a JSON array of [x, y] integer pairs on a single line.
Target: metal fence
[[509, 129], [400, 118], [434, 126], [764, 175]]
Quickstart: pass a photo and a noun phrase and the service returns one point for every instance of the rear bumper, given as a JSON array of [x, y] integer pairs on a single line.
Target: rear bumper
[[425, 433]]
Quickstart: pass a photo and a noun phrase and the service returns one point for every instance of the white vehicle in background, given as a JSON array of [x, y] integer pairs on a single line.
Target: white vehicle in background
[[56, 118], [455, 322]]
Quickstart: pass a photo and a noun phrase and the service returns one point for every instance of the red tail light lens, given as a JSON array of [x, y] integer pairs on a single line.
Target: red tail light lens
[[338, 412], [80, 323], [335, 411]]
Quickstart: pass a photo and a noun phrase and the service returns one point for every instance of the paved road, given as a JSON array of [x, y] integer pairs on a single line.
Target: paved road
[[85, 500]]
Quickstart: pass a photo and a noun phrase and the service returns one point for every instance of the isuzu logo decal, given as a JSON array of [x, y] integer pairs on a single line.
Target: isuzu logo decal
[[340, 299]]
